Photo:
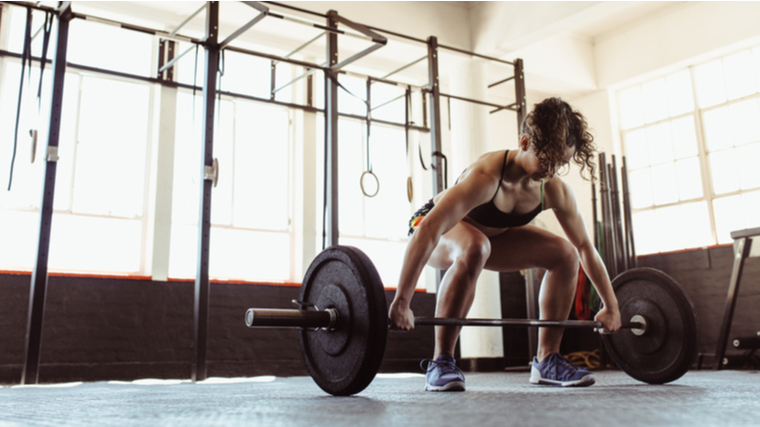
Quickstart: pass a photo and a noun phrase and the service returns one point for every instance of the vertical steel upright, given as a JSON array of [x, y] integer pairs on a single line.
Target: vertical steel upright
[[521, 103], [595, 218], [611, 212], [434, 94], [742, 249], [272, 79], [200, 319], [38, 289], [621, 251], [435, 124], [331, 126], [631, 247], [532, 281]]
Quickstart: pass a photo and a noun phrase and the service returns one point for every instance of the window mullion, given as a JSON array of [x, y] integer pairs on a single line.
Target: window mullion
[[365, 146], [73, 174], [232, 160], [146, 247], [292, 132], [707, 187]]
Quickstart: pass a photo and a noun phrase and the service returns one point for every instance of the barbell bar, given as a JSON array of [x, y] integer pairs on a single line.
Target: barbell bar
[[343, 323], [326, 319]]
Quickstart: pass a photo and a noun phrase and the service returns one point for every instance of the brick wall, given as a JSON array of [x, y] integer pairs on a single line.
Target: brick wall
[[705, 275], [104, 329], [121, 329]]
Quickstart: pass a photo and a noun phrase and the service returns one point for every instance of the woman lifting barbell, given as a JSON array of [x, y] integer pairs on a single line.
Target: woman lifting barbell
[[467, 228]]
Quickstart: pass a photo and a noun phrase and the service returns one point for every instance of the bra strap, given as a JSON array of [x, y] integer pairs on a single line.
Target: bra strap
[[542, 194]]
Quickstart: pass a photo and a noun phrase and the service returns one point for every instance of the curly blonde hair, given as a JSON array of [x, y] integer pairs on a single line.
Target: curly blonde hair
[[552, 125]]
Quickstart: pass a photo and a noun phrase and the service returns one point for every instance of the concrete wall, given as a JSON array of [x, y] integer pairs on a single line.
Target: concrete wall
[[676, 37]]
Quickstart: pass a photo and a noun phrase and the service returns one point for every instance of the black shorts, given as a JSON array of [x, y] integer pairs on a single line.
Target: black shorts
[[418, 216]]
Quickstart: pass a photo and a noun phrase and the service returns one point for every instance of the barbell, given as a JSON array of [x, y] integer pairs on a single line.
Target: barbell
[[343, 322]]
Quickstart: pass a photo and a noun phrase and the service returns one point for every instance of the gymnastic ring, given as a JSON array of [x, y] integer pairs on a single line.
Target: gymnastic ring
[[409, 189], [361, 184]]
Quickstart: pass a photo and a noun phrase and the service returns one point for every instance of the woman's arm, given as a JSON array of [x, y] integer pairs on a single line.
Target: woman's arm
[[562, 202], [475, 189]]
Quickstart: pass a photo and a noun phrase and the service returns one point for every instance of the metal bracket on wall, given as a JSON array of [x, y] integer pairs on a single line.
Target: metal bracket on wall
[[33, 134], [211, 173], [52, 154]]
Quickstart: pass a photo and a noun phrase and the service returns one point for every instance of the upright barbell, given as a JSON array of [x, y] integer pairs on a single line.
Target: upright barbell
[[343, 322]]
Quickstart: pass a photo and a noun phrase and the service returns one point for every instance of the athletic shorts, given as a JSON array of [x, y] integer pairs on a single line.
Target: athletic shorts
[[418, 216]]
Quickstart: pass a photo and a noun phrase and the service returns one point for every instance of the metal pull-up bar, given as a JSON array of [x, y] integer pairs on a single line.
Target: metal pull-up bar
[[498, 107], [321, 27], [388, 102], [299, 48], [175, 59], [379, 41], [306, 74], [500, 82], [513, 107], [256, 5], [264, 11], [403, 68], [189, 18]]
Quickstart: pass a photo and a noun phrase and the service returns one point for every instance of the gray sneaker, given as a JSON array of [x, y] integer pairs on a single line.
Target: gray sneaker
[[443, 374]]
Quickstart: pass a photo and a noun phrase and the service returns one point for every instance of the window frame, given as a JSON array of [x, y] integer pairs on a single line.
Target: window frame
[[150, 140], [290, 230], [708, 191]]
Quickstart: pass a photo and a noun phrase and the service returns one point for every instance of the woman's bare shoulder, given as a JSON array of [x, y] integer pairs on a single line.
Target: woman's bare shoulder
[[557, 193], [489, 163]]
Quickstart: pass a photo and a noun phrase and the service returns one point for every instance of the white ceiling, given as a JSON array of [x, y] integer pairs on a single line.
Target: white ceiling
[[589, 21], [623, 15]]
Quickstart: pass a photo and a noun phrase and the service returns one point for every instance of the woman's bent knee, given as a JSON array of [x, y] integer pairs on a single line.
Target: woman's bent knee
[[475, 252]]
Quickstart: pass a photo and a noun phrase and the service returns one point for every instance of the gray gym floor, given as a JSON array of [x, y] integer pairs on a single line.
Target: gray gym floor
[[505, 398]]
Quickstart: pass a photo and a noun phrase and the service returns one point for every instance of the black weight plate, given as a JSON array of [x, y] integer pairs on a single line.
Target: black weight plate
[[334, 296], [657, 326], [345, 361], [669, 346]]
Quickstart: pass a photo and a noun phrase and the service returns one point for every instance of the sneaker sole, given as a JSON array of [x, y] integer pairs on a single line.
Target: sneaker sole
[[583, 382], [452, 386]]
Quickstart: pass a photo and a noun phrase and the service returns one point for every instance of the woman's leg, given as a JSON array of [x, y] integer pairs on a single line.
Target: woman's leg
[[463, 252], [527, 247]]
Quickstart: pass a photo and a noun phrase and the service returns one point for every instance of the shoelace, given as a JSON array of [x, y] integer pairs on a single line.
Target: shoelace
[[446, 367], [572, 365], [566, 367]]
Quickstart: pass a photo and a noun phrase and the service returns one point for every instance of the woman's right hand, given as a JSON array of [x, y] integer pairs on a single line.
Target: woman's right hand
[[400, 317]]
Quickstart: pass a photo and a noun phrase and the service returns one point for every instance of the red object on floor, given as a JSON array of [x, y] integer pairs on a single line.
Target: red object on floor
[[582, 308]]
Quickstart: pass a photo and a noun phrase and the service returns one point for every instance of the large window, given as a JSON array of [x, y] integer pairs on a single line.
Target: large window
[[691, 141], [99, 220], [113, 143], [101, 175], [251, 234]]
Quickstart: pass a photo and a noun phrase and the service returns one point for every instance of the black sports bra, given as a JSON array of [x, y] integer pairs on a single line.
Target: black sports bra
[[489, 215]]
